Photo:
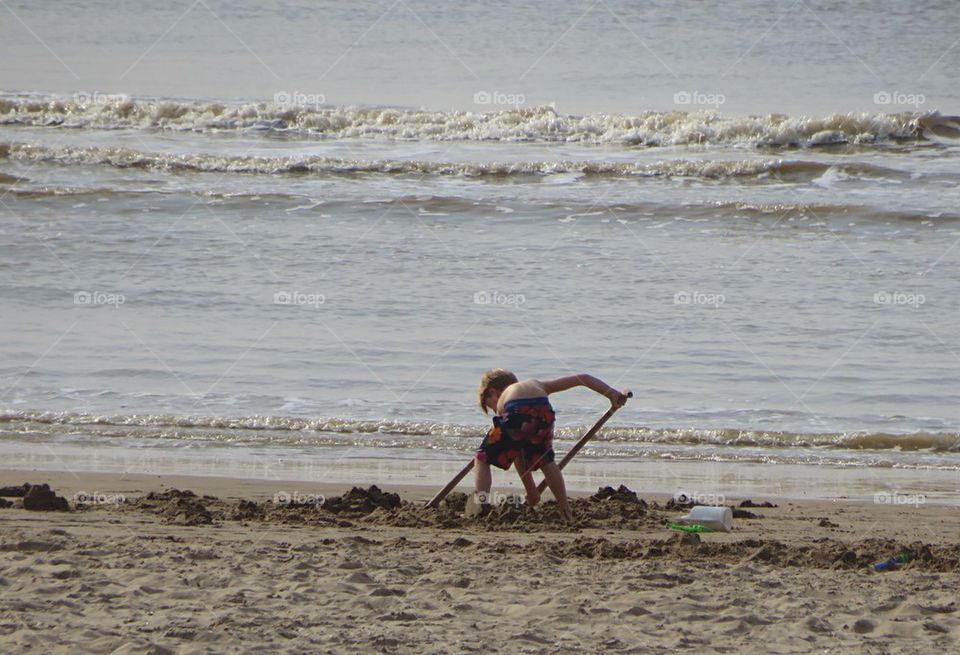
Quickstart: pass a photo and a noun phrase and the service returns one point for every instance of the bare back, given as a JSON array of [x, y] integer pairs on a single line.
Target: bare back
[[520, 390]]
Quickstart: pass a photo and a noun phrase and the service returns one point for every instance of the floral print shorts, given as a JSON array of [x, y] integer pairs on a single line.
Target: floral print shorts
[[524, 432]]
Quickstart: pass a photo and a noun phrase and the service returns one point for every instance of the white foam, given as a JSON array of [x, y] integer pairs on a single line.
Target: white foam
[[564, 171], [941, 442], [541, 124]]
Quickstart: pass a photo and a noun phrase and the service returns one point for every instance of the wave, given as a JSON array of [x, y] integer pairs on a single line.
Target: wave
[[181, 426], [773, 169], [10, 179], [814, 212], [536, 124], [278, 423]]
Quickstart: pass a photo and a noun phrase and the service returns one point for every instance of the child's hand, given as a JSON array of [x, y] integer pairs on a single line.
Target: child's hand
[[618, 399]]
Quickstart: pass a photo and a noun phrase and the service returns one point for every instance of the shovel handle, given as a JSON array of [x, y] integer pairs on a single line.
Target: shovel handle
[[435, 501], [583, 441]]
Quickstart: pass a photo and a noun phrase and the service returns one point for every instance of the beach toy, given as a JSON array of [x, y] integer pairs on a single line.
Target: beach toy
[[719, 519], [689, 528], [894, 562]]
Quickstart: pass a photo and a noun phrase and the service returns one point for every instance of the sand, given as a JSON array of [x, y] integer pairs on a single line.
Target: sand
[[212, 565]]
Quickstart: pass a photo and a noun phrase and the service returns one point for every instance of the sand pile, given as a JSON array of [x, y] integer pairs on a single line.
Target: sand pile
[[825, 554], [177, 507], [335, 511], [15, 491], [359, 502], [34, 497], [184, 507], [608, 509]]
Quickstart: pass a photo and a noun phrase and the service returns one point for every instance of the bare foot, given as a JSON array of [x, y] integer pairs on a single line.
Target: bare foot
[[533, 497]]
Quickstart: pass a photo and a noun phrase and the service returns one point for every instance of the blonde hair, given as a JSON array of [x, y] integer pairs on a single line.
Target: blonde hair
[[495, 378]]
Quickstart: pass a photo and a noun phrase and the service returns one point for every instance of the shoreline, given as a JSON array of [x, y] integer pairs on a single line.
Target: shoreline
[[707, 479]]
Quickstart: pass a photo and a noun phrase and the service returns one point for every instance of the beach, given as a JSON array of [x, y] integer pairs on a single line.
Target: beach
[[256, 257], [142, 574]]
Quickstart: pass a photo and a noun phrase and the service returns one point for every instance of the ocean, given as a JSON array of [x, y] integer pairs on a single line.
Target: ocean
[[285, 240]]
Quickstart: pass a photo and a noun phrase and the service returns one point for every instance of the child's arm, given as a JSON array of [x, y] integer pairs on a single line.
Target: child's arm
[[617, 399]]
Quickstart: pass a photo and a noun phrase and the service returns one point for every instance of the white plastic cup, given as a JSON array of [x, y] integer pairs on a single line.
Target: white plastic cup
[[719, 519]]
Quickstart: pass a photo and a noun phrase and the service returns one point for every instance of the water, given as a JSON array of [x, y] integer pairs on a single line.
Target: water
[[211, 271], [809, 57]]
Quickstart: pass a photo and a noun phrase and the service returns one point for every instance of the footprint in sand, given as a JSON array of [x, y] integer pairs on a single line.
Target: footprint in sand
[[399, 616], [359, 577], [636, 610], [817, 624]]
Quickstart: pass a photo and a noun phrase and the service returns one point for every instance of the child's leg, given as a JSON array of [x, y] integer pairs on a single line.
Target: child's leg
[[526, 477], [481, 476], [555, 481], [477, 503]]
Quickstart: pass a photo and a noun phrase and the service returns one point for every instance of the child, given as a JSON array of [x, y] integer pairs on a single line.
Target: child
[[522, 432]]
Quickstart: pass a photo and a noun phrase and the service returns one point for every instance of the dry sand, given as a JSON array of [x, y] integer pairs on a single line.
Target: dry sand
[[366, 571]]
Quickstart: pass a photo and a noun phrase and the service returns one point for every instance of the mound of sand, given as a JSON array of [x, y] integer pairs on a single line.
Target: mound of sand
[[177, 507], [34, 497], [826, 554], [619, 510], [608, 508], [15, 491]]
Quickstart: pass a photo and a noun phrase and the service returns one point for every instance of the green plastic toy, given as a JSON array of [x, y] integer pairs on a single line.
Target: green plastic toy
[[696, 527]]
